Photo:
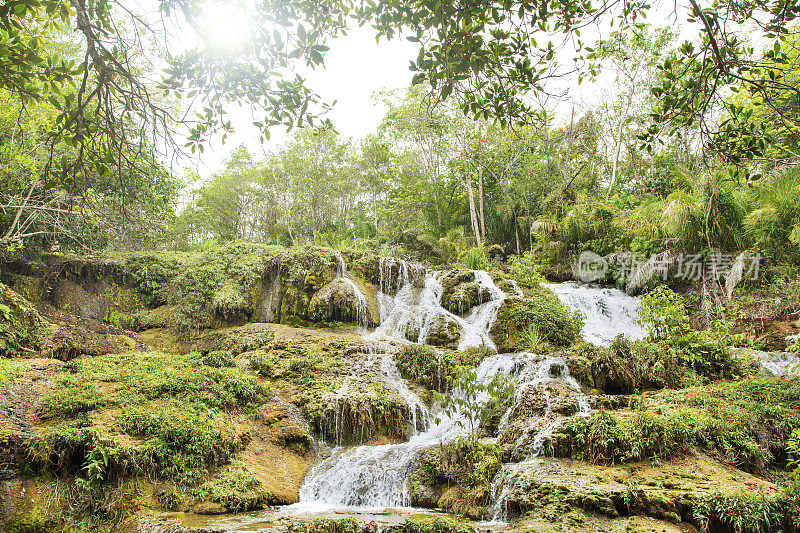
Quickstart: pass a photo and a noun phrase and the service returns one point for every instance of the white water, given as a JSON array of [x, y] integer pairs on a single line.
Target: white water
[[607, 312], [779, 364], [377, 476], [412, 313]]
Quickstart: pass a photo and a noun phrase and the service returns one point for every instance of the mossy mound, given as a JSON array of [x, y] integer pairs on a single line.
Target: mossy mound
[[541, 310], [460, 291], [456, 476], [22, 329], [433, 368]]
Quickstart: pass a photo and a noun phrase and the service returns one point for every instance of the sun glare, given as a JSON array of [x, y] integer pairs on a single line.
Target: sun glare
[[227, 25]]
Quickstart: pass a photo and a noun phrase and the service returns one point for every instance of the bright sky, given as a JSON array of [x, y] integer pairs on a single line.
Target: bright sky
[[355, 68]]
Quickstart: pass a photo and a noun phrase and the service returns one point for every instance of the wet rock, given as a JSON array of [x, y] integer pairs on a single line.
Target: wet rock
[[209, 508], [445, 332], [340, 300]]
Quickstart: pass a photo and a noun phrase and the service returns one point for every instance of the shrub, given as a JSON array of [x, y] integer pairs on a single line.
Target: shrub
[[216, 359], [262, 365], [433, 368], [742, 512], [524, 270], [181, 443]]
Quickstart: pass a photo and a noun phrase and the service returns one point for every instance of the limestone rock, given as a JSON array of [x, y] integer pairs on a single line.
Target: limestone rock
[[340, 300], [209, 508]]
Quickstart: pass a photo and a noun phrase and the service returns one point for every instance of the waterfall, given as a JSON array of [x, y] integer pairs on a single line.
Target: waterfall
[[607, 312], [377, 476], [362, 314], [412, 313]]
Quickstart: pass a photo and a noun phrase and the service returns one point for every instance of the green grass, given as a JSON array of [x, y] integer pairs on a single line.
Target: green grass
[[161, 414], [748, 422]]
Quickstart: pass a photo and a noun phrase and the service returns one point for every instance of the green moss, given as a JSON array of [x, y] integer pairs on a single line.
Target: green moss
[[542, 308], [21, 328]]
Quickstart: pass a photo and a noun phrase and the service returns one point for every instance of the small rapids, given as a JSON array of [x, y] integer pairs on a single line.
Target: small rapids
[[413, 312], [377, 476], [607, 312]]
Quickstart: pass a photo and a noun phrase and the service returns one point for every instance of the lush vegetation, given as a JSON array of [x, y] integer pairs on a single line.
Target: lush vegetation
[[133, 294]]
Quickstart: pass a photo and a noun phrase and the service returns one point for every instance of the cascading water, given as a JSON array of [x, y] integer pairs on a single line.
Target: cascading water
[[362, 315], [377, 476], [413, 313], [607, 312]]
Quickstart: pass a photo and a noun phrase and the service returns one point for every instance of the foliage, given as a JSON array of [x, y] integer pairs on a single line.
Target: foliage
[[217, 359], [749, 422], [435, 368], [531, 339], [473, 401], [748, 512], [435, 525], [466, 462], [475, 258]]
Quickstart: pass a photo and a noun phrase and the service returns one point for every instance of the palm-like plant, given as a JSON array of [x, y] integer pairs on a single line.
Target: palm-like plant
[[773, 222]]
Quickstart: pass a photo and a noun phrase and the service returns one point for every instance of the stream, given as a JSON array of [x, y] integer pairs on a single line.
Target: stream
[[367, 481]]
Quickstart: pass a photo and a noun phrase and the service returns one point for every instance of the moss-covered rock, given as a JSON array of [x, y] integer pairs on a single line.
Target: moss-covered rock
[[543, 311], [22, 329], [341, 301], [460, 291]]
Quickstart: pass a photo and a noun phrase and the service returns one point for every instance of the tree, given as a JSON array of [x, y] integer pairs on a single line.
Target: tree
[[115, 109]]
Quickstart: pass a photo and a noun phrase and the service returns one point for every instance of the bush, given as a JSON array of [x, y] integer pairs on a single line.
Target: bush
[[434, 368], [330, 525], [558, 325], [524, 270], [217, 359], [746, 512]]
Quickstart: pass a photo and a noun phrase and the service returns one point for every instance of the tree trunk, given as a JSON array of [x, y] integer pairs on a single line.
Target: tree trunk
[[473, 217], [480, 186]]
